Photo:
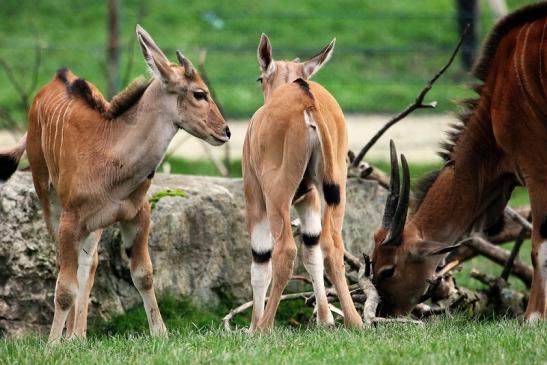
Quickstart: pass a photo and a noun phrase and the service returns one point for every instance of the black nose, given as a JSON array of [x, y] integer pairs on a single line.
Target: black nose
[[228, 133]]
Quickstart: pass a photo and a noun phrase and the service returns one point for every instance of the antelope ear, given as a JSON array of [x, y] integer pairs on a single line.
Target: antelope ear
[[154, 57], [189, 70], [315, 63], [264, 55], [432, 248]]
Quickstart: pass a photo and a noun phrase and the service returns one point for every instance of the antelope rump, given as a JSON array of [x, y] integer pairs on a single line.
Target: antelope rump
[[501, 143], [92, 162], [294, 154]]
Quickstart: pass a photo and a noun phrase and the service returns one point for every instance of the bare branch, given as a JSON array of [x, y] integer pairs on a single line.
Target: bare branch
[[518, 218], [500, 256], [417, 104], [243, 307], [514, 252]]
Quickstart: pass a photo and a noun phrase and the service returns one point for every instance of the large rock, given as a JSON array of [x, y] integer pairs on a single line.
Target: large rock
[[198, 243]]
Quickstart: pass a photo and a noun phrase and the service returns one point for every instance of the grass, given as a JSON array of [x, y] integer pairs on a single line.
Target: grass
[[385, 51], [196, 336], [446, 340]]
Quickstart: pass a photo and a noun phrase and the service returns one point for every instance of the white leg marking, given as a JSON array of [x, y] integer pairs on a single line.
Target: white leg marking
[[261, 276], [129, 233], [310, 220], [312, 257], [85, 260], [542, 258], [261, 237], [261, 273]]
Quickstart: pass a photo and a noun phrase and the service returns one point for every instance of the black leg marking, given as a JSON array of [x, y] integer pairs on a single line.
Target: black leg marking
[[543, 228], [262, 257], [332, 193], [310, 239]]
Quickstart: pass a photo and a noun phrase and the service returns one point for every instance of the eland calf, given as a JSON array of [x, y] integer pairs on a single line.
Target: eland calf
[[295, 154], [92, 162]]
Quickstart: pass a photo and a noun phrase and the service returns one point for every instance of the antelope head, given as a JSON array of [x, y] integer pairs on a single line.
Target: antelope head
[[403, 261], [276, 73], [183, 97]]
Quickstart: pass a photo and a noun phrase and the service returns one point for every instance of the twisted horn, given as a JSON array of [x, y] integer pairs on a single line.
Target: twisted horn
[[393, 197], [395, 235]]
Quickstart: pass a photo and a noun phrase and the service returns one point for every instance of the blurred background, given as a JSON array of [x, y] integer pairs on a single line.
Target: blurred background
[[385, 52]]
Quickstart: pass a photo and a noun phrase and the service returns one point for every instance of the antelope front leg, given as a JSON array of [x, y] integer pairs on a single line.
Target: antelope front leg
[[135, 238], [66, 288], [87, 266]]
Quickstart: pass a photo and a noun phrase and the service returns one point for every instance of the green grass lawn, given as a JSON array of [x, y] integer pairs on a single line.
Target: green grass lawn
[[385, 52], [196, 335], [447, 340]]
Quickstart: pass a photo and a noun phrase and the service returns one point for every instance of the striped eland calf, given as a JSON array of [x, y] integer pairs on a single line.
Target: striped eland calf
[[92, 162], [295, 153]]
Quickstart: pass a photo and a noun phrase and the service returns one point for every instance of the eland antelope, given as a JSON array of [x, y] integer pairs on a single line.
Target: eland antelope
[[92, 162], [501, 143], [295, 154]]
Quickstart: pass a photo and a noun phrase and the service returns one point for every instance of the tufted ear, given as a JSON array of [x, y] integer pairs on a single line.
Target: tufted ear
[[154, 57], [315, 63], [264, 55]]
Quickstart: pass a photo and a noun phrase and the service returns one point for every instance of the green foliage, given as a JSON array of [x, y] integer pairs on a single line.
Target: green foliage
[[179, 165], [162, 194], [385, 51]]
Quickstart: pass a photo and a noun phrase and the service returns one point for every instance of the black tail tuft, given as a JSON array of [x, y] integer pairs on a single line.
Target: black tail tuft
[[332, 193], [8, 165], [543, 228]]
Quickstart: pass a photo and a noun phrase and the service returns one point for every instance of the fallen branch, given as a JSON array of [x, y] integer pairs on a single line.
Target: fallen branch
[[512, 256], [417, 104], [243, 307], [500, 256], [518, 218]]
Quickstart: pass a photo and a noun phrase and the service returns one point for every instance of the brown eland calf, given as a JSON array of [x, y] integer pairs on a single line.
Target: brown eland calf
[[501, 143], [294, 153], [92, 162]]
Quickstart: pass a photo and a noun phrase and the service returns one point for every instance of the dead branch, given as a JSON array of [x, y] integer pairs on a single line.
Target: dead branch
[[500, 256], [518, 218], [372, 298], [510, 232], [417, 104], [352, 260], [514, 253], [243, 307]]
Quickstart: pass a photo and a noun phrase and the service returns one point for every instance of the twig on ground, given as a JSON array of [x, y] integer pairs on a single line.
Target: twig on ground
[[243, 307]]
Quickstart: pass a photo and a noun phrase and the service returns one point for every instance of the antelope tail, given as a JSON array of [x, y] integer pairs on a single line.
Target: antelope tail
[[9, 159], [331, 187]]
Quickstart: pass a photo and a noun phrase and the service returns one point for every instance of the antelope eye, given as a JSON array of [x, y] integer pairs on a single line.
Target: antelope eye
[[200, 95], [385, 272]]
